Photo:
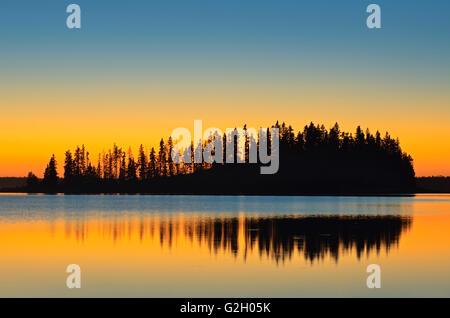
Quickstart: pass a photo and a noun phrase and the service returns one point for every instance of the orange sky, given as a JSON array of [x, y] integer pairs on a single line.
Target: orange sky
[[51, 119]]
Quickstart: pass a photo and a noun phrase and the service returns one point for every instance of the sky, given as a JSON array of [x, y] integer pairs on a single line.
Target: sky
[[136, 70]]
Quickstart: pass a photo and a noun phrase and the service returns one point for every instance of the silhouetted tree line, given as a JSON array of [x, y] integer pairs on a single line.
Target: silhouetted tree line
[[433, 184], [312, 161]]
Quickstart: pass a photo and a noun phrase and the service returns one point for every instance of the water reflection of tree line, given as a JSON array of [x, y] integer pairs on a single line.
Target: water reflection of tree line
[[278, 238], [313, 236], [316, 237]]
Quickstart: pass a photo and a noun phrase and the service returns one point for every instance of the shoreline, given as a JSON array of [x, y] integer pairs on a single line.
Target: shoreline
[[228, 195]]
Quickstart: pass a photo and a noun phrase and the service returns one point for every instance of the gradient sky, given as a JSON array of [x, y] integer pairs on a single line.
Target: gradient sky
[[138, 69]]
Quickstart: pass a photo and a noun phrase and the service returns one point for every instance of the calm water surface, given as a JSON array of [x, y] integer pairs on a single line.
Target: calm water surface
[[213, 246]]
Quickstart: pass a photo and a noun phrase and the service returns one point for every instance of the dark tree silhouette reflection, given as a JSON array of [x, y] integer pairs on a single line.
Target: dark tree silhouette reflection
[[316, 237], [276, 237]]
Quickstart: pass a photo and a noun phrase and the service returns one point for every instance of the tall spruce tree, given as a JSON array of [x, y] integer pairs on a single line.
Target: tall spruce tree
[[51, 174]]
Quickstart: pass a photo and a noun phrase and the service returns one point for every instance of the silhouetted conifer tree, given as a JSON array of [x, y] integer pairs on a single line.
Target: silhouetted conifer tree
[[51, 175], [170, 163], [162, 159], [32, 181], [152, 164], [68, 167], [131, 171], [142, 163], [123, 168]]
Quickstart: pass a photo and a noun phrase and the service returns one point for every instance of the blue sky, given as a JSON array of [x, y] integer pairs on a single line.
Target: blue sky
[[242, 30]]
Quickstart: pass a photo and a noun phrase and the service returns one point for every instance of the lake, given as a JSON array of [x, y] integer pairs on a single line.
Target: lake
[[224, 246]]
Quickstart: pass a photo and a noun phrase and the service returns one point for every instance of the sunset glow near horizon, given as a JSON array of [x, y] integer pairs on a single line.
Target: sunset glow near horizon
[[136, 71]]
